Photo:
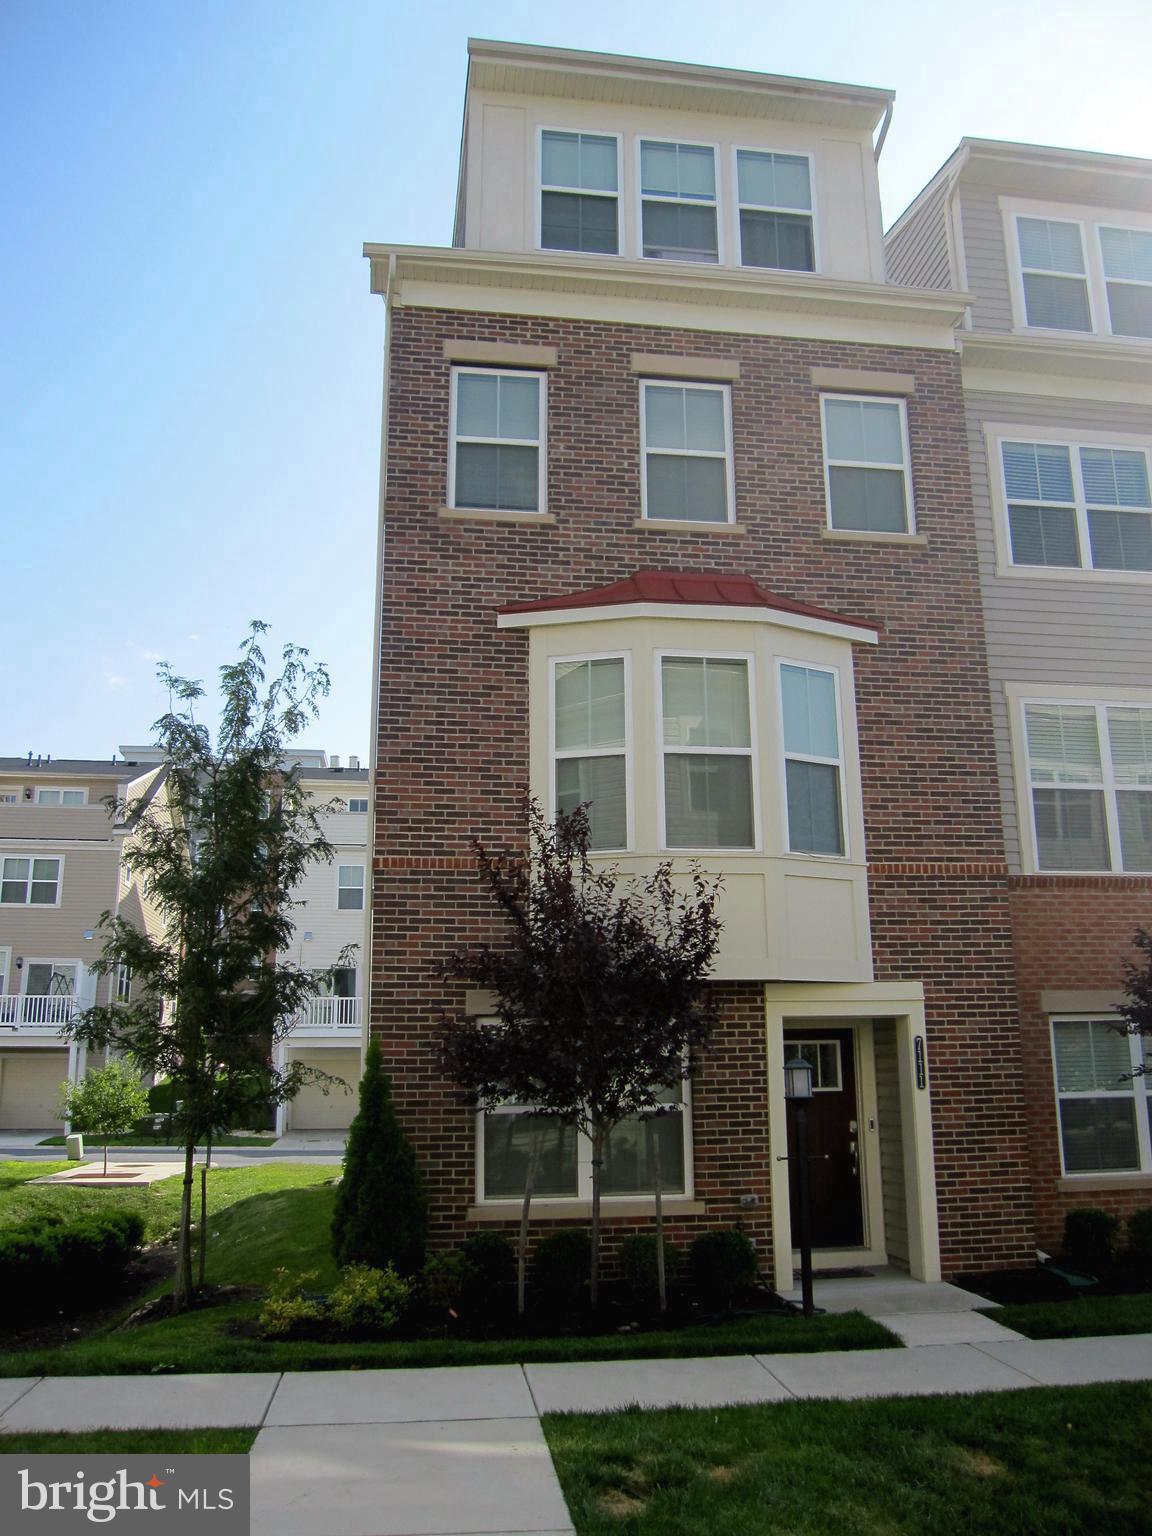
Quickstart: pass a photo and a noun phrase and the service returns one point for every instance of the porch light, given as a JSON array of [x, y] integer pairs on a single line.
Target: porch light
[[797, 1079]]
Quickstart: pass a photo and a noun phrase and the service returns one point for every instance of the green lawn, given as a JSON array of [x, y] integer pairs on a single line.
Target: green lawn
[[200, 1341], [1078, 1319], [1048, 1461], [93, 1144], [129, 1442]]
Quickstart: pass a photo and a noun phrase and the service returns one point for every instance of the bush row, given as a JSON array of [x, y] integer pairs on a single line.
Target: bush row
[[49, 1263], [1092, 1238]]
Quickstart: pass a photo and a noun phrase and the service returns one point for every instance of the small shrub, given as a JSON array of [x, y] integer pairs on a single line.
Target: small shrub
[[723, 1264], [368, 1300], [447, 1279], [638, 1268], [287, 1307], [1140, 1239], [492, 1258], [48, 1262], [1090, 1237], [560, 1267]]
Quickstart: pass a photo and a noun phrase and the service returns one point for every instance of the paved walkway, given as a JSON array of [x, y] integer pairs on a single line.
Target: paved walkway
[[460, 1451]]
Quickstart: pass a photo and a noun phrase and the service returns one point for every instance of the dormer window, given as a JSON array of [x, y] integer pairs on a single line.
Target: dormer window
[[1080, 270], [775, 195], [1052, 269], [579, 192], [1127, 258], [678, 201]]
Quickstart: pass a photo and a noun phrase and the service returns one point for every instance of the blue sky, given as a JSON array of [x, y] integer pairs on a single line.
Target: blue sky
[[190, 357]]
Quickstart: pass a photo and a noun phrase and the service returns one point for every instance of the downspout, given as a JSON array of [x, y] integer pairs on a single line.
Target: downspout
[[884, 127]]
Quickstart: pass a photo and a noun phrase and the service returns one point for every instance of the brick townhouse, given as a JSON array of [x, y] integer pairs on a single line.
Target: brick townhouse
[[678, 521], [1055, 248]]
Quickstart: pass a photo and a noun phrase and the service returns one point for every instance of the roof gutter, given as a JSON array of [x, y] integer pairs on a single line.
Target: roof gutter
[[884, 127]]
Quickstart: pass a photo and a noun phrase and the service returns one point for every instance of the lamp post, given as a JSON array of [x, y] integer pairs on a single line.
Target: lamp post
[[797, 1092]]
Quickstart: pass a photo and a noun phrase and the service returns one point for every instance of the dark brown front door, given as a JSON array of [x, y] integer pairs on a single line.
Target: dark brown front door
[[833, 1138]]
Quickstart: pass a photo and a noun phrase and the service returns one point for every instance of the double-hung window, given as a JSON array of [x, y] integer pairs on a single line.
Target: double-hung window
[[868, 480], [350, 887], [1090, 778], [563, 1155], [1104, 1100], [1078, 506], [357, 804], [590, 724], [30, 882], [813, 765], [497, 461], [1126, 255], [1053, 274], [678, 201], [686, 446], [579, 192], [775, 198], [61, 796], [706, 736]]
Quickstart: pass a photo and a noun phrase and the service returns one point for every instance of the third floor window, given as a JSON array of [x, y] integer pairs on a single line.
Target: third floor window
[[1082, 274], [678, 191], [579, 192]]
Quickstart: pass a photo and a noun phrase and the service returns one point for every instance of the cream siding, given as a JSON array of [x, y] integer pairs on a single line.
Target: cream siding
[[1085, 632]]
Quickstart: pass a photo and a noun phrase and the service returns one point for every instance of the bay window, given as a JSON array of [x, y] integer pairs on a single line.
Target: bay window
[[590, 725], [706, 736], [813, 767]]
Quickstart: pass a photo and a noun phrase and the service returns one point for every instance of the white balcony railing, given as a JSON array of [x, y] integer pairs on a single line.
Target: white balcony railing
[[329, 1016], [36, 1015]]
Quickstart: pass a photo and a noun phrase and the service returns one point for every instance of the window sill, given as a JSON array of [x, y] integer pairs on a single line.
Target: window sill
[[674, 525], [859, 536], [477, 515], [555, 1210], [1083, 1181]]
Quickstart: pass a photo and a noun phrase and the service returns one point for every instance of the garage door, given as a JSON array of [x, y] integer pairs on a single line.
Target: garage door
[[29, 1084], [311, 1109]]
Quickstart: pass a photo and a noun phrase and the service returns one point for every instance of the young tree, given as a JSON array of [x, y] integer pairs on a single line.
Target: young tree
[[218, 845], [600, 987], [1137, 1011], [107, 1102], [380, 1216]]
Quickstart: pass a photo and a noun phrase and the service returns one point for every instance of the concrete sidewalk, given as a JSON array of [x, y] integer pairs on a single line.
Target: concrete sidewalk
[[460, 1451]]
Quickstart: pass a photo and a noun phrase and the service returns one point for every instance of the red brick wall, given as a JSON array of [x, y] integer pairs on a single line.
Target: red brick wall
[[1071, 933], [452, 754]]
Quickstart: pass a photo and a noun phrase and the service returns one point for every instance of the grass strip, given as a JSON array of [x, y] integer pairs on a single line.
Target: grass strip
[[1085, 1317], [128, 1442]]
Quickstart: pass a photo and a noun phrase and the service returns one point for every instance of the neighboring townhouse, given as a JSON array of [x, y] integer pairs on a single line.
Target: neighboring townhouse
[[329, 917], [59, 870], [1055, 247], [678, 522]]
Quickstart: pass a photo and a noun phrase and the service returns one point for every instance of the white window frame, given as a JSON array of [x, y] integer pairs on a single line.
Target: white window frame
[[1138, 1093], [77, 968], [1101, 700], [362, 887], [692, 202], [583, 1193], [752, 751], [998, 433], [62, 790], [19, 853], [1127, 225], [5, 971], [906, 442], [725, 392], [737, 206], [838, 763], [357, 805], [541, 444], [555, 754], [542, 187], [1090, 222], [123, 982]]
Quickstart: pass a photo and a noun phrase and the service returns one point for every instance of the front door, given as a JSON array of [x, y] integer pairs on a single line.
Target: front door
[[833, 1138]]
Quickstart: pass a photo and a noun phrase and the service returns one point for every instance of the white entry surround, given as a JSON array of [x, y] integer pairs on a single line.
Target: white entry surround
[[857, 1006]]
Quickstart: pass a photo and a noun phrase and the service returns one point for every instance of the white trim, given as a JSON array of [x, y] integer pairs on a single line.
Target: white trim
[[838, 763], [751, 752], [583, 132], [691, 202], [1020, 696], [627, 751], [737, 206], [1138, 1093], [729, 453], [6, 853], [611, 612], [584, 1166], [5, 968], [362, 887], [77, 967], [540, 444], [60, 789], [901, 404]]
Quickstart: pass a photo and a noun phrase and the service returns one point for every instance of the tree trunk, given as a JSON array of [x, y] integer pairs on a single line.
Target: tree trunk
[[183, 1292], [598, 1137], [522, 1244], [657, 1185], [105, 1159]]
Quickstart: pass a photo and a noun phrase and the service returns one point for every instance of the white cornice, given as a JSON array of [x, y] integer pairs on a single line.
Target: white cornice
[[705, 288], [1115, 359], [614, 612]]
